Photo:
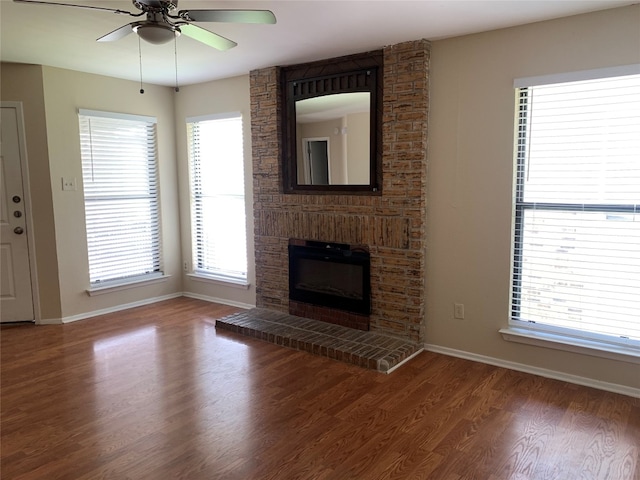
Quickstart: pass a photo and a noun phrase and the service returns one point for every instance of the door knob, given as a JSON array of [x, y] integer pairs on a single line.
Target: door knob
[[18, 230]]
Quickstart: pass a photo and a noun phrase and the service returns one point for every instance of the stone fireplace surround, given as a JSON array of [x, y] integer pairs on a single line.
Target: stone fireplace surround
[[392, 224]]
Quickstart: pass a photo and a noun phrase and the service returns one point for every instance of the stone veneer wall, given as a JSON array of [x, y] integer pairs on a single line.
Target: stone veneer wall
[[392, 224]]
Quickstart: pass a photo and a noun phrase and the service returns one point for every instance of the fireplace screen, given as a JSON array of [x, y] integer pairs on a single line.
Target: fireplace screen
[[330, 275]]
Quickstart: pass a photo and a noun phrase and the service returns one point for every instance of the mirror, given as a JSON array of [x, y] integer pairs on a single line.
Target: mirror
[[332, 138], [331, 125]]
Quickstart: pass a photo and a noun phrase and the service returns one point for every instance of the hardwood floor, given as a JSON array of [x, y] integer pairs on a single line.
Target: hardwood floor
[[157, 393]]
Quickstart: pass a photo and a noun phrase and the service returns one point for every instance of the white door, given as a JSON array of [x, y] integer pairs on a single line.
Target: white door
[[16, 295]]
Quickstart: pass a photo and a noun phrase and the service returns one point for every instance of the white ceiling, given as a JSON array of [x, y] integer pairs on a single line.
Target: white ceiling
[[306, 30]]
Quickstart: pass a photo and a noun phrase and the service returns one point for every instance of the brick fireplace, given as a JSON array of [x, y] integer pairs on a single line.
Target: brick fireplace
[[330, 282], [391, 225]]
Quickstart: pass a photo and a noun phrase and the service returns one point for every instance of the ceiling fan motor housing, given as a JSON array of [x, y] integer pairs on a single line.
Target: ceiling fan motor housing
[[157, 6]]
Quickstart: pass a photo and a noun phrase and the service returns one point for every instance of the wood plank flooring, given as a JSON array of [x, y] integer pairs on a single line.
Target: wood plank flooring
[[157, 393]]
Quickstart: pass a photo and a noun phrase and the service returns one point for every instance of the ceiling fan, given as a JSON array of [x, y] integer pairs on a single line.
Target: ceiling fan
[[164, 22]]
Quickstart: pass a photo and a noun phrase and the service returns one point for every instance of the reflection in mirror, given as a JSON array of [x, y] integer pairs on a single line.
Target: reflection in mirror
[[332, 139], [331, 121]]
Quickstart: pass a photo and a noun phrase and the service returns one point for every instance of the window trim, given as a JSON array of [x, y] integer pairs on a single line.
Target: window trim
[[219, 280], [549, 336], [580, 75], [569, 343], [117, 116], [194, 272], [132, 282], [124, 283]]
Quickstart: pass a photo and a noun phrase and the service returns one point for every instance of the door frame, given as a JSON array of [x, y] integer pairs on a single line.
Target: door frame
[[307, 161], [26, 193]]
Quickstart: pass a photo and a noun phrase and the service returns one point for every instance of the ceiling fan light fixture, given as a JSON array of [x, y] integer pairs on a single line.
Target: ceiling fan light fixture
[[157, 33]]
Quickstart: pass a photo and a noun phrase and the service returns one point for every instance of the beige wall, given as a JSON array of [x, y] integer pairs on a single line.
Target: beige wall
[[324, 129], [470, 176], [23, 83], [65, 92], [222, 96], [51, 99], [354, 147]]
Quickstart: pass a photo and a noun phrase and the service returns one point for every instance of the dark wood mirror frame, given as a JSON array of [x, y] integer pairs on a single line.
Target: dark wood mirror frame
[[354, 73]]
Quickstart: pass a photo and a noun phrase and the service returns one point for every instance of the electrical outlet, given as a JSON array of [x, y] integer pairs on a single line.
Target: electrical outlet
[[69, 183], [186, 266], [458, 310]]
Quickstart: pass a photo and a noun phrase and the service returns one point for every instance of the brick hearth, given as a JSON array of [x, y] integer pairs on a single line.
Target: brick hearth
[[365, 349]]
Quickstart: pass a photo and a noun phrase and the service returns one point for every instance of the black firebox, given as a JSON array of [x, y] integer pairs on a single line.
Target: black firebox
[[332, 275]]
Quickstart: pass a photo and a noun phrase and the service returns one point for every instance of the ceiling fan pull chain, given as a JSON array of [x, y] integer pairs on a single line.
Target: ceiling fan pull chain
[[140, 57], [175, 53]]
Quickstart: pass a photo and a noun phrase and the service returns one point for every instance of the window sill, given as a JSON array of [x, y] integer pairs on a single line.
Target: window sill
[[225, 281], [126, 285], [571, 344]]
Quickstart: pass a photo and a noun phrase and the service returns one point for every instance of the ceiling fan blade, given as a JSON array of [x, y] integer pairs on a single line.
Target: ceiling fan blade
[[209, 38], [118, 33], [228, 16], [112, 10]]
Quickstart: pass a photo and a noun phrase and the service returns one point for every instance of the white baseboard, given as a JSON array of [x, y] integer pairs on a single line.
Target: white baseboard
[[147, 301], [543, 372], [223, 301], [117, 308], [395, 367], [49, 321]]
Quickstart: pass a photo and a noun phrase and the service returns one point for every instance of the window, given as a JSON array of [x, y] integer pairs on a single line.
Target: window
[[121, 197], [218, 221], [576, 263]]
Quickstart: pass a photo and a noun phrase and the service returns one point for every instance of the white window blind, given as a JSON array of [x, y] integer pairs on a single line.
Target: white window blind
[[121, 196], [218, 217], [576, 267]]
